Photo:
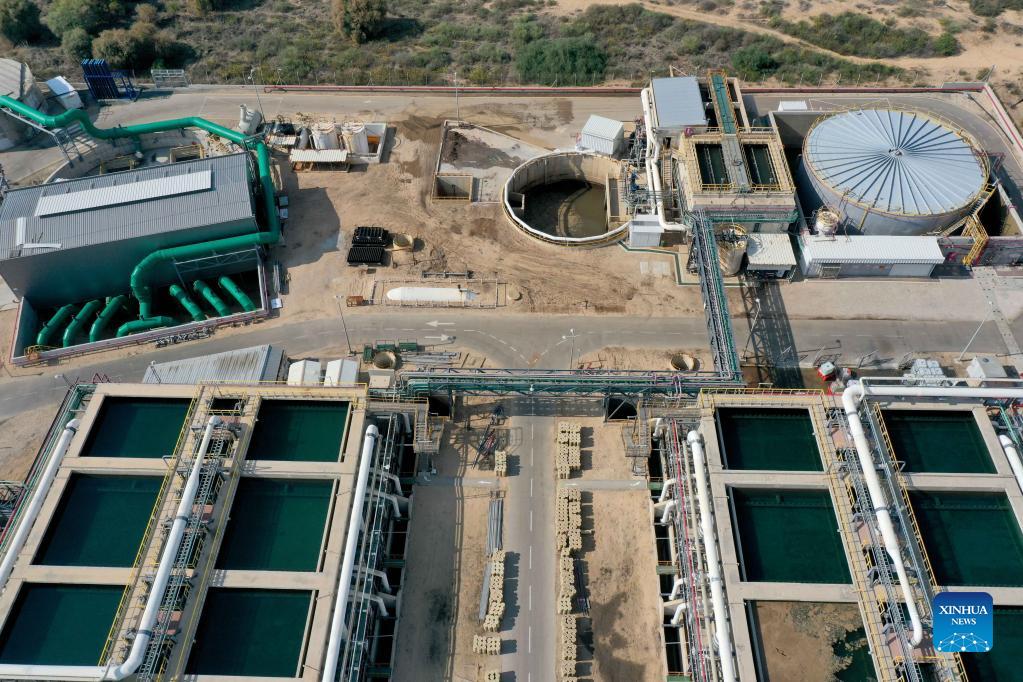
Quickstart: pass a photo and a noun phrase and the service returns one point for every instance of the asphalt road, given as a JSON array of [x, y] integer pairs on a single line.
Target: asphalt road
[[517, 340]]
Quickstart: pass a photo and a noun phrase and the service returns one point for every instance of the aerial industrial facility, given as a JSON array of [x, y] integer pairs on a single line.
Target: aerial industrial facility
[[380, 482]]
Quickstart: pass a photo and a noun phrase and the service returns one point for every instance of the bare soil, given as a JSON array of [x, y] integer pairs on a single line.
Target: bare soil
[[797, 638], [620, 563], [603, 451], [20, 439]]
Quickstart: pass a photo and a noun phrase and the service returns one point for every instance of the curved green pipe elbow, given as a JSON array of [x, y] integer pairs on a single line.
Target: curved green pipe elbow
[[136, 326], [187, 303], [112, 307], [236, 293], [58, 320], [204, 290], [87, 311]]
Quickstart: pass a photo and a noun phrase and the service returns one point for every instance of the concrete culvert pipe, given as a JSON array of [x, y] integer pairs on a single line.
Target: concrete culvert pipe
[[385, 359], [684, 362]]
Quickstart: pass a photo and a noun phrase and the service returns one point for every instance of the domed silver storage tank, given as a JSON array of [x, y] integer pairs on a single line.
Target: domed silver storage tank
[[890, 172]]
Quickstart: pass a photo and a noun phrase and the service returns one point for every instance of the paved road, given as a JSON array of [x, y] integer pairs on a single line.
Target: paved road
[[529, 645], [518, 340]]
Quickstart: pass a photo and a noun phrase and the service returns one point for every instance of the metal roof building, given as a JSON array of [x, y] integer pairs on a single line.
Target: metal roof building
[[602, 135], [94, 230], [869, 256], [245, 365], [894, 172], [770, 253], [678, 104]]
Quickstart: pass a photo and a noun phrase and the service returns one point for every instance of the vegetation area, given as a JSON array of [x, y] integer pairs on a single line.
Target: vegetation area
[[400, 42], [858, 35], [992, 8]]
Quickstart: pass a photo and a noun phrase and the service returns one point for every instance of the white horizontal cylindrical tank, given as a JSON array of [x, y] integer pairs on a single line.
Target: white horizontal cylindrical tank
[[430, 295], [894, 172], [325, 135], [354, 135]]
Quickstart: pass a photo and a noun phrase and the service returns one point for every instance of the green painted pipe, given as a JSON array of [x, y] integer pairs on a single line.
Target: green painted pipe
[[139, 284], [58, 320], [187, 303], [230, 287], [112, 307], [136, 326], [204, 290], [87, 311]]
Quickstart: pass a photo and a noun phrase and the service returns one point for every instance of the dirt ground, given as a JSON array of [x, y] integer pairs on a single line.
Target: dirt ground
[[618, 357], [20, 439], [798, 638], [603, 452], [440, 597], [620, 562]]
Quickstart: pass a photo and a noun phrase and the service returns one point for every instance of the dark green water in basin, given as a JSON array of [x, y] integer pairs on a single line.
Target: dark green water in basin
[[769, 439], [1002, 663], [99, 521], [276, 525], [299, 431], [250, 632], [788, 536], [136, 427], [938, 442], [59, 624], [971, 538]]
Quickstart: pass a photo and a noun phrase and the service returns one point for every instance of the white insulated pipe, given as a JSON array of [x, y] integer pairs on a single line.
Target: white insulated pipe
[[851, 398], [676, 589], [677, 618], [653, 158], [665, 489], [144, 632], [337, 622], [710, 550], [668, 509], [1013, 456], [36, 503]]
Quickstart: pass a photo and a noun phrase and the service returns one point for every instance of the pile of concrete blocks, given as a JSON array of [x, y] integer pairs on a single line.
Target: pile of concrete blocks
[[569, 520], [492, 676], [500, 462], [568, 649], [569, 456], [483, 644], [495, 609]]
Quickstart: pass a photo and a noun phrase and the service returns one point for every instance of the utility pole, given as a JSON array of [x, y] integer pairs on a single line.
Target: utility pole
[[259, 102], [571, 358], [980, 326], [348, 341]]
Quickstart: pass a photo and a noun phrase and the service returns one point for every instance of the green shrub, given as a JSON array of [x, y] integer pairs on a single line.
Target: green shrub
[[64, 15], [360, 20], [754, 63], [19, 21], [561, 61], [76, 44], [862, 36]]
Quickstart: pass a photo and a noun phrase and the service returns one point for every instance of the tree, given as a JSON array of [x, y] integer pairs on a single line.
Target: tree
[[64, 15], [19, 20], [359, 19], [77, 44], [754, 63], [132, 48], [561, 61]]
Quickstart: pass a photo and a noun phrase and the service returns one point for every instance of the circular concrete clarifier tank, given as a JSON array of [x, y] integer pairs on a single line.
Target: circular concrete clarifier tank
[[562, 198]]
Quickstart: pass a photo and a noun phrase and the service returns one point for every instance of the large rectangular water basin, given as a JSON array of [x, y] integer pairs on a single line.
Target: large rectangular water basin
[[938, 441], [299, 430], [971, 538], [99, 521], [276, 525], [136, 427], [1003, 661], [52, 624], [768, 439], [788, 536], [250, 632]]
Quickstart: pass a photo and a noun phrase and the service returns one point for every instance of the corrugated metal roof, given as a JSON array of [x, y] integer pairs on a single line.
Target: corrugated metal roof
[[246, 365], [603, 127], [869, 249], [15, 78], [766, 248], [318, 155], [678, 102], [126, 193], [895, 161], [230, 201]]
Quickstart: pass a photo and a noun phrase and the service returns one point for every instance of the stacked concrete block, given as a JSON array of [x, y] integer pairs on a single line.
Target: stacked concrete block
[[483, 644], [501, 463], [492, 676], [568, 457], [495, 608], [568, 648]]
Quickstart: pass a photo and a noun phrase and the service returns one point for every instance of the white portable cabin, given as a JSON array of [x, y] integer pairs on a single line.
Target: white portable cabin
[[341, 373], [304, 373], [869, 256], [770, 254], [602, 135], [645, 231]]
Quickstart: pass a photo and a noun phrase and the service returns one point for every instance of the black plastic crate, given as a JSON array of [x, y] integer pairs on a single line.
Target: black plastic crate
[[366, 255], [370, 236]]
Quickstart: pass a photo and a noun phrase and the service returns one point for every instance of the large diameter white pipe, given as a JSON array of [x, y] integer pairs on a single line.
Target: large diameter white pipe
[[653, 158], [668, 509], [710, 550], [144, 631], [665, 489], [337, 622], [1013, 456], [676, 619], [851, 398], [36, 502]]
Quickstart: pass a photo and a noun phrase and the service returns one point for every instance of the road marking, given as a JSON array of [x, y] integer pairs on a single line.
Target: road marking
[[529, 639], [435, 324], [513, 348], [571, 485], [531, 557], [530, 487], [530, 520], [530, 597], [470, 330]]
